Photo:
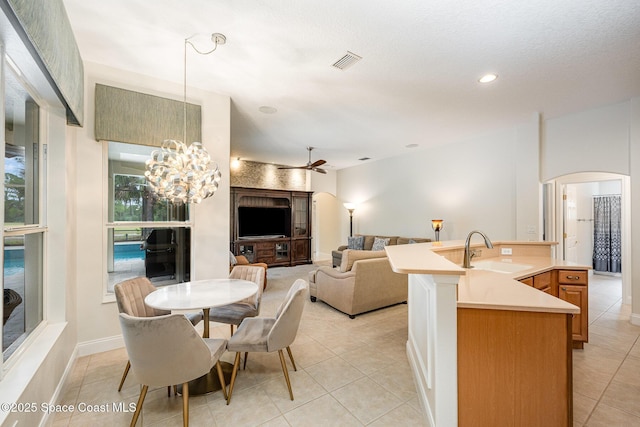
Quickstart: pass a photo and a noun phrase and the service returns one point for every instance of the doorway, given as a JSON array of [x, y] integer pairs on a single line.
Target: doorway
[[575, 220]]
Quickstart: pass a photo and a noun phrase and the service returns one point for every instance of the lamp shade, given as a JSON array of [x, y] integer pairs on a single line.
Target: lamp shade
[[350, 206], [436, 224]]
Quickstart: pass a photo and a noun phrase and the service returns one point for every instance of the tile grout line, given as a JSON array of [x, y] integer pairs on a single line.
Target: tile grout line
[[618, 302]]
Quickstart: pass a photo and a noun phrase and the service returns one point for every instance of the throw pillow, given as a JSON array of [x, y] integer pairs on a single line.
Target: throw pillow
[[411, 241], [232, 259], [355, 243], [379, 244]]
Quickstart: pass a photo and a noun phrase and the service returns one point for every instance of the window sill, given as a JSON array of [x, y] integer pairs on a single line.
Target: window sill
[[19, 373]]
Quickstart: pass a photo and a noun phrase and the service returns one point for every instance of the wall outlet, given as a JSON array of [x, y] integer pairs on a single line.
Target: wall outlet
[[506, 251]]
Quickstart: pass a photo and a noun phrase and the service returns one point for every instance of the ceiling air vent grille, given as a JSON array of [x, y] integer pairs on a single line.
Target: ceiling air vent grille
[[346, 61], [362, 159]]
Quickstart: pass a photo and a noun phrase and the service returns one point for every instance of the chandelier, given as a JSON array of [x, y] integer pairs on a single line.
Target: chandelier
[[181, 173]]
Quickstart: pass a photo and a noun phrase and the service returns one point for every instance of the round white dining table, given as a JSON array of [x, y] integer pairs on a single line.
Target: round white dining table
[[201, 295]]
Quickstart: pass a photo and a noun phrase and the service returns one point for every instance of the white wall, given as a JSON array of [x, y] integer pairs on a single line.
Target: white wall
[[604, 139], [470, 185], [634, 168], [99, 328], [589, 141]]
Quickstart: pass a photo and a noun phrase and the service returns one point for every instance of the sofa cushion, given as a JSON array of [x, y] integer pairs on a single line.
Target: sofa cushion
[[349, 256], [370, 238], [379, 244], [408, 240], [356, 242]]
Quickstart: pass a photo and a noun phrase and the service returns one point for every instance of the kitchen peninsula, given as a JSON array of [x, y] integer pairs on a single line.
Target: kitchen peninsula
[[493, 345]]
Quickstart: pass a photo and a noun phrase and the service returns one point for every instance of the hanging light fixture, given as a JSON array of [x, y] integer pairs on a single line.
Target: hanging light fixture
[[181, 173]]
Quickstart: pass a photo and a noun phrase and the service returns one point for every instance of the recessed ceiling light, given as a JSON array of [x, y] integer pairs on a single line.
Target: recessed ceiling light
[[488, 78], [411, 146], [267, 110]]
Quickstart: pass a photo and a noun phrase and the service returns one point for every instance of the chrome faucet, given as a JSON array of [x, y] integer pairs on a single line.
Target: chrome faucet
[[468, 254]]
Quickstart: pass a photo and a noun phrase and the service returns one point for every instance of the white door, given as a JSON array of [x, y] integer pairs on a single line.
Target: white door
[[569, 207]]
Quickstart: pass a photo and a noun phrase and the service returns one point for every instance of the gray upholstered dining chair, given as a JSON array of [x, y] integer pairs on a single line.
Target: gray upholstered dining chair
[[234, 314], [268, 334], [167, 350], [130, 295]]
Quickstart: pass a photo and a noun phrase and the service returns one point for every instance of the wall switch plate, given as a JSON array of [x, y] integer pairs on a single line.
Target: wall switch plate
[[531, 229], [506, 251]]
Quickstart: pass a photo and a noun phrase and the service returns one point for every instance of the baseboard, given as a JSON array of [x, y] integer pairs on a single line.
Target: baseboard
[[321, 256], [635, 319], [98, 346]]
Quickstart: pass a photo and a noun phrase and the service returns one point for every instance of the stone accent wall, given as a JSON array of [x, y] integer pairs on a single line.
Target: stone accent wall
[[267, 176]]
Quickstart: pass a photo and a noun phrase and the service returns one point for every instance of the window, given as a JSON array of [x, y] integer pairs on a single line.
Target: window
[[146, 236], [24, 234]]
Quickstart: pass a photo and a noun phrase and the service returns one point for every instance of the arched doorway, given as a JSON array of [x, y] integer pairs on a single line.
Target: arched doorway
[[326, 226], [569, 218]]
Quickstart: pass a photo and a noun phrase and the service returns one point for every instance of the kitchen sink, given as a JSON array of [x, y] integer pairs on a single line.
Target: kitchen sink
[[501, 267]]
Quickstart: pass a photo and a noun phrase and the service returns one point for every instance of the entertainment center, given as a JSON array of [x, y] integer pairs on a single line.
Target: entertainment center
[[271, 226]]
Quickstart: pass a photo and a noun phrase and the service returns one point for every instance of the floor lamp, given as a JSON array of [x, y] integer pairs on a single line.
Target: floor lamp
[[350, 207]]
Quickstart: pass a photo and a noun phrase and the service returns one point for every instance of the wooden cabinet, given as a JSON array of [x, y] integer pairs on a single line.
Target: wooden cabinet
[[570, 286], [271, 226], [573, 288], [542, 282], [527, 281], [514, 368]]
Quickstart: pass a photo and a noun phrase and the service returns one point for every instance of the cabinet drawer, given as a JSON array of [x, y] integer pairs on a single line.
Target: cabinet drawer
[[542, 281], [573, 277]]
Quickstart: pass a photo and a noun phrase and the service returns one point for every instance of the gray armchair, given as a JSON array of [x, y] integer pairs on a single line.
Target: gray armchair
[[235, 313], [268, 334], [130, 296], [167, 350]]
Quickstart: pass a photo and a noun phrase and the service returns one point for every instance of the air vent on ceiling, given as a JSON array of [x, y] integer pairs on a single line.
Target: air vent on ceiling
[[362, 159], [347, 61]]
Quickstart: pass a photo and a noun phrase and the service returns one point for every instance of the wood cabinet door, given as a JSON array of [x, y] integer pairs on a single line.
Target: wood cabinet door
[[577, 295], [542, 282], [527, 281], [301, 251]]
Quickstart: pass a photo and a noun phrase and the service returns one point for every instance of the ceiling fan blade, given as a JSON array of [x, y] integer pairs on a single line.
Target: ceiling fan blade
[[319, 170], [292, 167], [317, 163]]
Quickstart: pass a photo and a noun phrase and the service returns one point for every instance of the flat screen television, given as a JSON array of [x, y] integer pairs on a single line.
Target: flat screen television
[[264, 222]]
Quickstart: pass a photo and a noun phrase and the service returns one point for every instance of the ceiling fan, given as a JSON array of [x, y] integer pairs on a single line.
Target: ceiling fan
[[309, 166]]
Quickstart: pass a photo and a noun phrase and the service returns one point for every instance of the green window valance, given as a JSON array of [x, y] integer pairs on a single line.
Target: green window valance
[[45, 30], [126, 116]]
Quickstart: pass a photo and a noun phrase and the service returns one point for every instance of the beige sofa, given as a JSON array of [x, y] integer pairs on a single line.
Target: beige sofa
[[363, 282], [368, 244]]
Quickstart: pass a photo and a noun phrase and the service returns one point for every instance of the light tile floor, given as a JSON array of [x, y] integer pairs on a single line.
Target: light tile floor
[[355, 372]]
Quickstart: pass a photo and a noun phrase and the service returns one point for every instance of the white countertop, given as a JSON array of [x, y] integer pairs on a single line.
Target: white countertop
[[482, 288]]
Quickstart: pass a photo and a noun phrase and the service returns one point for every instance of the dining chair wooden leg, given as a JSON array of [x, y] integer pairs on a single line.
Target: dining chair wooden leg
[[185, 404], [246, 355], [286, 372], [221, 379], [143, 394], [124, 375], [291, 357], [233, 376], [231, 326], [169, 391]]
